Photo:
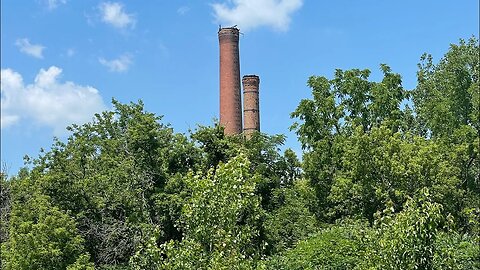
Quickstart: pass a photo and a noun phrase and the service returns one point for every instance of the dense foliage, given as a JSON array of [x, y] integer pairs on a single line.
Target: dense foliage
[[389, 179]]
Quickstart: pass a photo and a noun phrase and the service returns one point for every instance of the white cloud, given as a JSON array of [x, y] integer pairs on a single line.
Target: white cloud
[[183, 10], [113, 13], [53, 4], [47, 101], [249, 14], [8, 120], [35, 50], [120, 64]]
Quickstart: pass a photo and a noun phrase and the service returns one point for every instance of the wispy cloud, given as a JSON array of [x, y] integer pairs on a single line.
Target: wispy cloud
[[183, 10], [47, 101], [113, 13], [121, 64], [249, 14], [53, 4], [35, 50]]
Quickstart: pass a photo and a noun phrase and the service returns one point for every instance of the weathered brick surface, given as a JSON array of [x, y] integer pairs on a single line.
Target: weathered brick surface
[[251, 112], [230, 91]]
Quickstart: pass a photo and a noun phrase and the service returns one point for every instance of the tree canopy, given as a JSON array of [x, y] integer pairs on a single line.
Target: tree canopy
[[389, 178]]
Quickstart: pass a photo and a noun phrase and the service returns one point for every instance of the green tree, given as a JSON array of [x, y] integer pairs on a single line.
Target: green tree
[[456, 251], [221, 223], [340, 106], [340, 246], [41, 236], [290, 219], [215, 146], [419, 237], [407, 239], [447, 94], [364, 146], [447, 100], [5, 204], [109, 176], [385, 166], [124, 179]]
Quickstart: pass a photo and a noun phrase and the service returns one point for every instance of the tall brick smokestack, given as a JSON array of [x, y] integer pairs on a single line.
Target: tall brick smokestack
[[251, 112], [230, 91]]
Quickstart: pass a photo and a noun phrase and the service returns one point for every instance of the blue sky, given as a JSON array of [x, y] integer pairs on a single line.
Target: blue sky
[[64, 60]]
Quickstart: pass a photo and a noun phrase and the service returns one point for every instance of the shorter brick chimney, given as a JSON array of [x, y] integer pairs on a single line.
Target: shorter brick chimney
[[251, 112]]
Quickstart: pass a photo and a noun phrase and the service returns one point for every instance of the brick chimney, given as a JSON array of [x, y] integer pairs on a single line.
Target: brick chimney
[[251, 112], [230, 91]]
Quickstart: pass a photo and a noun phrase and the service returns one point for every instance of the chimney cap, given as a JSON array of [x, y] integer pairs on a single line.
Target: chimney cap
[[234, 28], [251, 78]]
